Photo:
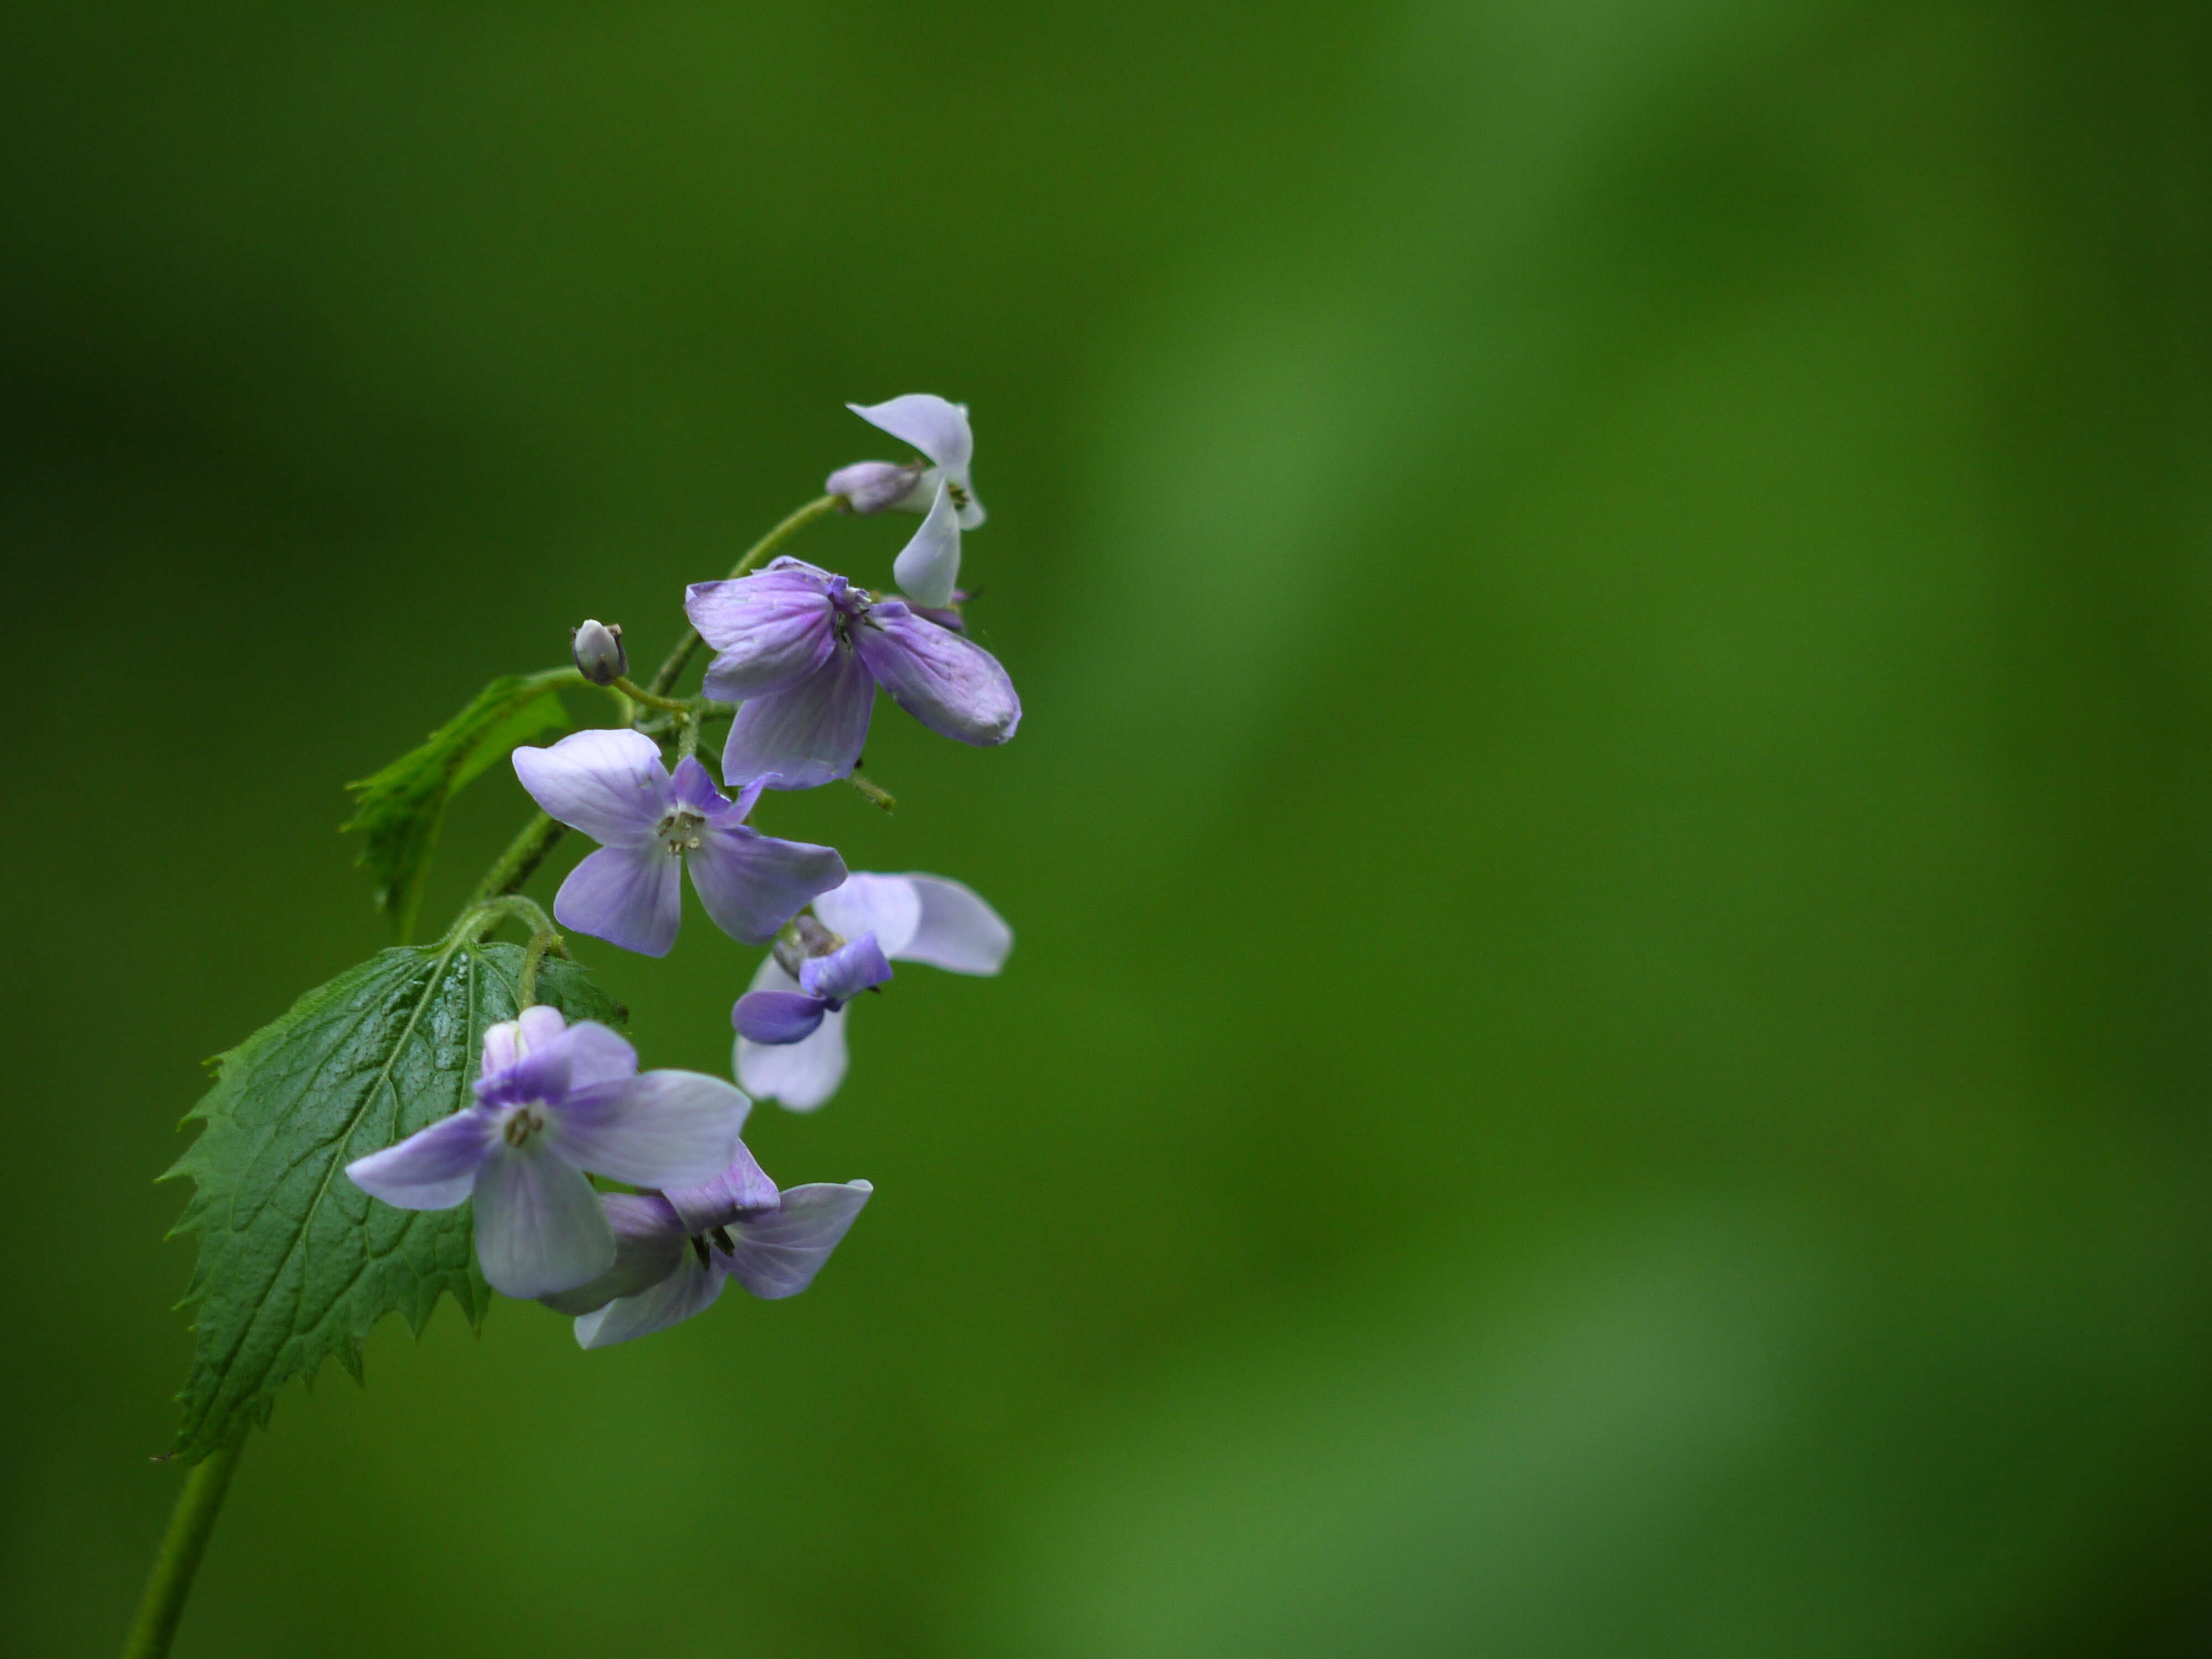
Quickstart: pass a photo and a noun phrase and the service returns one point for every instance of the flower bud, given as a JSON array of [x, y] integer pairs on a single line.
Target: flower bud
[[874, 486], [598, 652]]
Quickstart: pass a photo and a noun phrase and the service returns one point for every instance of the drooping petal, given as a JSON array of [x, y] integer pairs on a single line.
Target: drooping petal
[[740, 1189], [778, 1251], [693, 786], [658, 1129], [690, 1289], [752, 884], [846, 971], [938, 429], [585, 1057], [433, 1169], [958, 931], [774, 1016], [537, 1025], [501, 1048], [769, 630], [632, 897], [650, 1243], [609, 784], [886, 906], [539, 1225], [808, 733], [945, 680], [928, 566], [798, 1076]]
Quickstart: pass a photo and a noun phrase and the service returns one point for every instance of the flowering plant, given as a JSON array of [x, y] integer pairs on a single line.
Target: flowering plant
[[465, 1117]]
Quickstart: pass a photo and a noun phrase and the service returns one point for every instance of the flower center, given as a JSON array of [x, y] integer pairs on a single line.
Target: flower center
[[678, 830], [959, 496], [522, 1123], [720, 1237]]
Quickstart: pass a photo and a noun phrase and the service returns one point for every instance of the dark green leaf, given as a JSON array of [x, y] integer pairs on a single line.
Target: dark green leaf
[[295, 1262], [401, 807]]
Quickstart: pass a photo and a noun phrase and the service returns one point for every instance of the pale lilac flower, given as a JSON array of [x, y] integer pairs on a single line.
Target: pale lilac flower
[[552, 1100], [913, 918], [930, 563], [676, 1249], [805, 651], [611, 786], [826, 984]]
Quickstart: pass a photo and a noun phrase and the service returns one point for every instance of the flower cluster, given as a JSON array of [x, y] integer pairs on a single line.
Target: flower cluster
[[684, 1207]]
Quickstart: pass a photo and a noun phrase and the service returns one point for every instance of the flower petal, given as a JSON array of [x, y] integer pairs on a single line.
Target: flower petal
[[660, 1129], [585, 1057], [958, 931], [938, 429], [945, 680], [846, 971], [798, 1076], [769, 630], [650, 1243], [808, 733], [539, 1225], [875, 486], [780, 1250], [928, 567], [433, 1169], [690, 1289], [609, 784], [752, 884], [778, 1017], [743, 1187], [537, 1025], [886, 906], [501, 1048], [632, 897]]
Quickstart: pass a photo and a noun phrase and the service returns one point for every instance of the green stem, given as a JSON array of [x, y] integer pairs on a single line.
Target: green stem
[[533, 955], [651, 700], [821, 508], [186, 1540], [523, 855]]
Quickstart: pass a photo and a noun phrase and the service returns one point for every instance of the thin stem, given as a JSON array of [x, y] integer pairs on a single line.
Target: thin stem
[[534, 954], [651, 700], [179, 1560], [821, 508], [523, 855]]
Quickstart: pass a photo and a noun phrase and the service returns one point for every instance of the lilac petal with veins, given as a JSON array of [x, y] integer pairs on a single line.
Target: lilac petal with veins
[[779, 1252], [752, 884], [540, 1226], [650, 1244], [664, 1128], [740, 1189], [798, 1076], [945, 680], [845, 972], [809, 734], [928, 567], [632, 897], [777, 1016], [433, 1169], [609, 784], [691, 1288], [769, 630]]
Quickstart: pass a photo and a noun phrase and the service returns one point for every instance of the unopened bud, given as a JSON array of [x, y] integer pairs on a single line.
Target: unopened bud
[[598, 652], [876, 486]]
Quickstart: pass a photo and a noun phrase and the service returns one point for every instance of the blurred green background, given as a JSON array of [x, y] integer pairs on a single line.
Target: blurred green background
[[1608, 1053]]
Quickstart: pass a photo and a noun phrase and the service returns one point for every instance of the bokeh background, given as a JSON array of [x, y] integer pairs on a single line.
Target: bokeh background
[[1609, 1046]]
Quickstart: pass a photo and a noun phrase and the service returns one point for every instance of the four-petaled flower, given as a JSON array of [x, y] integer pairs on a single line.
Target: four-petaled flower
[[804, 651], [611, 786], [826, 984], [929, 565], [912, 918], [675, 1249], [552, 1100]]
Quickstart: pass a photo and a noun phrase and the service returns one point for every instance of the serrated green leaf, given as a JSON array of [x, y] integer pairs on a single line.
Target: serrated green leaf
[[296, 1263], [401, 807]]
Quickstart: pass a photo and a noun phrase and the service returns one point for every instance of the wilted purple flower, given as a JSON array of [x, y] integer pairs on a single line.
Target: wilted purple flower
[[826, 984], [676, 1249], [552, 1100], [929, 564], [612, 786], [804, 651], [913, 918]]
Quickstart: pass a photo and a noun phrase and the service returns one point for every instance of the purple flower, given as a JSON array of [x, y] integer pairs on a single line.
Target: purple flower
[[676, 1249], [805, 651], [611, 786], [912, 918], [929, 564], [554, 1100], [826, 984]]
